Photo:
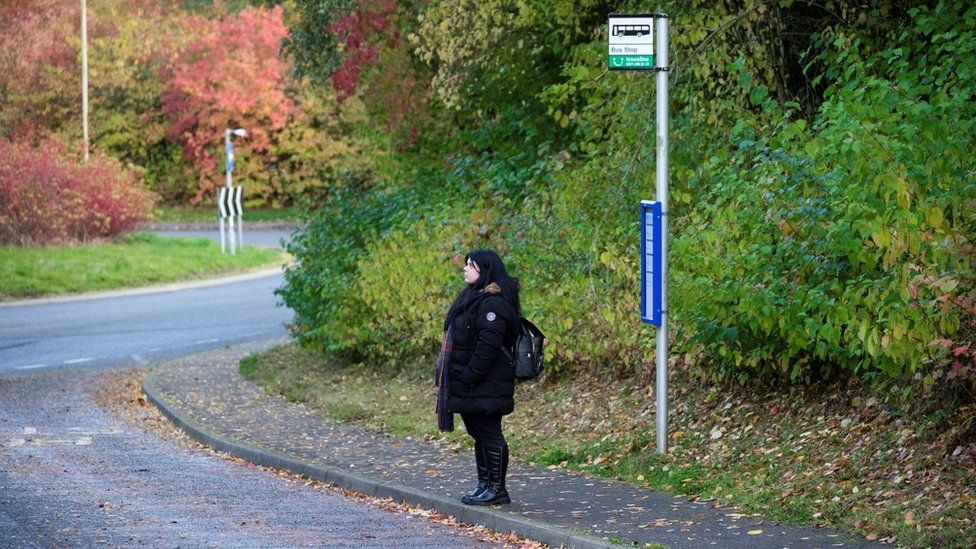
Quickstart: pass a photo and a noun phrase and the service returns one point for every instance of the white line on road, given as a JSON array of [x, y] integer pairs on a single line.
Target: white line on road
[[79, 360], [205, 341], [30, 366]]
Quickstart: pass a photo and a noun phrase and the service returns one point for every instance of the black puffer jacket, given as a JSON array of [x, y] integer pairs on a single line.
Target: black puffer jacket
[[482, 379]]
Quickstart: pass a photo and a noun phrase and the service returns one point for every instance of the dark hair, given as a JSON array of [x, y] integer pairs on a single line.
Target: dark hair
[[491, 269]]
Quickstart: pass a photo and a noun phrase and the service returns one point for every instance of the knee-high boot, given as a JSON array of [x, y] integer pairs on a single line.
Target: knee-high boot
[[496, 458], [479, 459]]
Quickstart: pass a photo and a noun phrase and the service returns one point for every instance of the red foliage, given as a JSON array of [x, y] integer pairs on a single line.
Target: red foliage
[[229, 76], [361, 34], [955, 355], [47, 196], [369, 36], [39, 62], [40, 56]]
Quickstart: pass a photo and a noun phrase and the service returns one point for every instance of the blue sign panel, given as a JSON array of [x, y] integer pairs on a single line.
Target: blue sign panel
[[230, 157], [651, 287]]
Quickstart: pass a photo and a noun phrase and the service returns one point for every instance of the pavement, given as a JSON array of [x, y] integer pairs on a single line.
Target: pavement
[[212, 403]]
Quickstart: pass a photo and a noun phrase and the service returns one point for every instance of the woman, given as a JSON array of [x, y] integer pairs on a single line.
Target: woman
[[482, 324]]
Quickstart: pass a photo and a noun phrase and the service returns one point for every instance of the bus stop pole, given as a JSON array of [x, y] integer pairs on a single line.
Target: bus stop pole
[[661, 62]]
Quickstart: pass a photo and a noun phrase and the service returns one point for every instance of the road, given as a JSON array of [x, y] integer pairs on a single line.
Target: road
[[77, 473], [142, 329]]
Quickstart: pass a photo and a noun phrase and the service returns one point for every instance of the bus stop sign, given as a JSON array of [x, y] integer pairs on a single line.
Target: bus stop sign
[[631, 42]]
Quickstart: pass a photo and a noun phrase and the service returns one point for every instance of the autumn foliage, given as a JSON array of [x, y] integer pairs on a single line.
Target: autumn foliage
[[39, 82], [229, 76], [47, 195]]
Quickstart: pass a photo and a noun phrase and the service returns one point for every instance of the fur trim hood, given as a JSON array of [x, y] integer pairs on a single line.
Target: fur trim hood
[[492, 289]]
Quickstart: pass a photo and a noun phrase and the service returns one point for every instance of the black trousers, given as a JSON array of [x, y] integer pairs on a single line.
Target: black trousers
[[485, 429]]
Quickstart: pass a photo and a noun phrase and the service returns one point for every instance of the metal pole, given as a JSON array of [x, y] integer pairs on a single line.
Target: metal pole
[[223, 235], [84, 74], [233, 237], [661, 62], [230, 218], [227, 154]]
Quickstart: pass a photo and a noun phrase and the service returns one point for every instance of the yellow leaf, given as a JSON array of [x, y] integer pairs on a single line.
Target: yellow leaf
[[755, 532], [936, 217], [431, 471]]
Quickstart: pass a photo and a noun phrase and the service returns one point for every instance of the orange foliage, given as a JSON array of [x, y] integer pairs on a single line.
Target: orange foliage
[[229, 76]]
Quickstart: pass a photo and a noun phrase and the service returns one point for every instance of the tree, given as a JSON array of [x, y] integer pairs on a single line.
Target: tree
[[230, 76]]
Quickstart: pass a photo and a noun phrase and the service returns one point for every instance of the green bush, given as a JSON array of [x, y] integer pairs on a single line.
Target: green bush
[[814, 234]]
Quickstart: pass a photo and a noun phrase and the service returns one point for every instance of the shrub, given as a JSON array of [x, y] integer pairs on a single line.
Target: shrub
[[230, 75], [808, 241], [47, 196]]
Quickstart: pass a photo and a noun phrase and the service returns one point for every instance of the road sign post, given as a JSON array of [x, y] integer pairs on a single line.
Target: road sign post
[[229, 198], [662, 196], [632, 46]]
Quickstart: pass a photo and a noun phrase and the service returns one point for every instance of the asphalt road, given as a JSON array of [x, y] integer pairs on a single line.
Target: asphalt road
[[76, 472], [138, 329], [141, 329]]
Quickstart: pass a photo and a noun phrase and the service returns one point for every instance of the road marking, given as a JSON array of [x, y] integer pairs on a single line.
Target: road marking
[[205, 341], [84, 441], [30, 366], [15, 442], [30, 430], [79, 360], [91, 431]]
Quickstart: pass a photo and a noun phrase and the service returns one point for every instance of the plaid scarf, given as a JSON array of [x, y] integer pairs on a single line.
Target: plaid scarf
[[445, 418]]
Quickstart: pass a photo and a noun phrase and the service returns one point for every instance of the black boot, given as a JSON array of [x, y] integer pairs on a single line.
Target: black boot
[[496, 458], [479, 459]]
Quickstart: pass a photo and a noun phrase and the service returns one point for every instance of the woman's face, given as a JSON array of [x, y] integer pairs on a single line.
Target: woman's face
[[471, 272]]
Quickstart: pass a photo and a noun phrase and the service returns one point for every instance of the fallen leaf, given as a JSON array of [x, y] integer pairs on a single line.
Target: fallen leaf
[[754, 532]]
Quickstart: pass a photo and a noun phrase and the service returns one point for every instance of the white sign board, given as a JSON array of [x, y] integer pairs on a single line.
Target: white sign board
[[631, 42]]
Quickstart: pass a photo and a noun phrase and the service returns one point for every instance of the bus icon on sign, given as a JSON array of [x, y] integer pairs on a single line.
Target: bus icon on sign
[[631, 30]]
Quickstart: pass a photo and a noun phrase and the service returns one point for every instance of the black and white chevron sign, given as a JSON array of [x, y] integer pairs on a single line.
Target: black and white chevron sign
[[229, 201]]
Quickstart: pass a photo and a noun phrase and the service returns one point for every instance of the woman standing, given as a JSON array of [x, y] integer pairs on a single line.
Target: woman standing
[[481, 329]]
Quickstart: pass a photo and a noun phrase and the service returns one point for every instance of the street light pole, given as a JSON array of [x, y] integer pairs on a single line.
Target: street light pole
[[84, 74]]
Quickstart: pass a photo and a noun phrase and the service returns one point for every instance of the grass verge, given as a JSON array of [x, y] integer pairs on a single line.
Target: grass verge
[[187, 214], [837, 455], [132, 260]]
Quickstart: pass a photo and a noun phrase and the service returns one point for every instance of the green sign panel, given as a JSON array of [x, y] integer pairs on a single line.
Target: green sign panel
[[631, 62]]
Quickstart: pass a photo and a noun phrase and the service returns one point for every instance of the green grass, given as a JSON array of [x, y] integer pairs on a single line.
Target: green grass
[[827, 455], [133, 260], [187, 214]]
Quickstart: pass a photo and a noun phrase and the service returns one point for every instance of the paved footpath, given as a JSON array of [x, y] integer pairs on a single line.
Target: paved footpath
[[75, 474], [215, 405]]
